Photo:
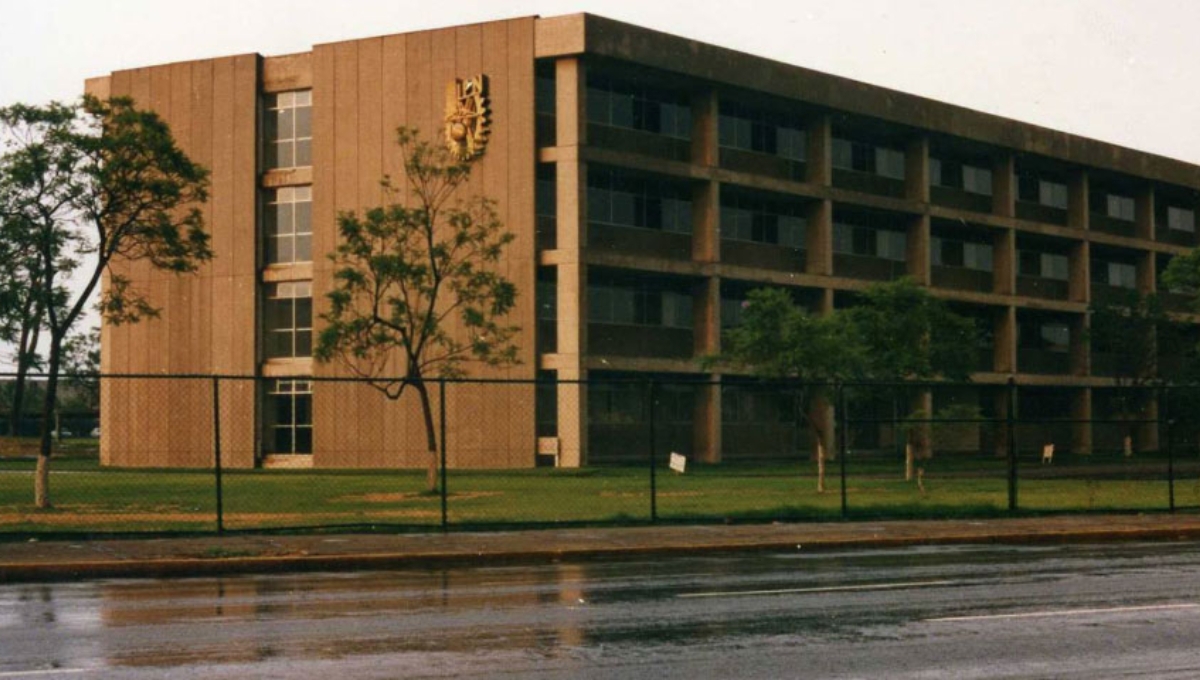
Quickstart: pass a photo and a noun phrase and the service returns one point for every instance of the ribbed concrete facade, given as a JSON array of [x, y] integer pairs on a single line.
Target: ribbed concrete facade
[[651, 181]]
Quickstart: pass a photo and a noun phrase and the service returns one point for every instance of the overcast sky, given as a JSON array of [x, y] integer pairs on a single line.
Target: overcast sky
[[1123, 71]]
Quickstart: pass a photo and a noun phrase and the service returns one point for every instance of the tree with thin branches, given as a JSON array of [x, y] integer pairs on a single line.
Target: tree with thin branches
[[417, 283], [94, 185]]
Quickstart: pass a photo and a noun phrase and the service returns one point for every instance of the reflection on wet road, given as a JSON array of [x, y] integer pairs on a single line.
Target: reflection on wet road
[[966, 612]]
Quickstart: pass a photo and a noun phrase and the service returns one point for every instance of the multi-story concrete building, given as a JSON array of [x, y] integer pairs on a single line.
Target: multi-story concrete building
[[651, 181]]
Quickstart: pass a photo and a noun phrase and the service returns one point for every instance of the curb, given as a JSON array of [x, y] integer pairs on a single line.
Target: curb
[[201, 567]]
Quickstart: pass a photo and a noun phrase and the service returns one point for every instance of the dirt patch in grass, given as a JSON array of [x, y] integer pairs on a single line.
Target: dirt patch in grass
[[642, 494], [413, 496]]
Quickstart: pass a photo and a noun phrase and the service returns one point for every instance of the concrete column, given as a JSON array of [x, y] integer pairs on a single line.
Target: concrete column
[[706, 422], [1005, 341], [1004, 262], [918, 249], [706, 147], [570, 84], [1081, 432], [706, 222], [820, 150], [1080, 267], [826, 303], [1144, 213], [1147, 272], [1078, 205], [1004, 186], [916, 170], [1080, 358], [706, 316], [819, 239], [821, 411], [571, 176]]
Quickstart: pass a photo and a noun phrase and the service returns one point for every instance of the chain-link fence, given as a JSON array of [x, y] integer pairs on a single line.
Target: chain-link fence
[[205, 453]]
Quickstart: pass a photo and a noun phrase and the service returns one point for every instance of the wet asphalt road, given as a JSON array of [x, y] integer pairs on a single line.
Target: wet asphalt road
[[965, 612]]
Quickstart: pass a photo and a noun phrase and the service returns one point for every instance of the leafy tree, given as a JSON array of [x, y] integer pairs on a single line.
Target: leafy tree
[[948, 426], [1183, 274], [778, 339], [81, 363], [1124, 335], [417, 283], [96, 183], [22, 314], [910, 335], [897, 332]]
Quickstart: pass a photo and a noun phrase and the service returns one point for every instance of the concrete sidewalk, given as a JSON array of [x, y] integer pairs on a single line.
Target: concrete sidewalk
[[37, 560]]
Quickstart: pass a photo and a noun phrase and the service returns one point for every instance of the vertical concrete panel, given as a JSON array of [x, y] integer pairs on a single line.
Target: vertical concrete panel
[[202, 152], [819, 239], [706, 222], [820, 150], [116, 396], [1004, 187], [522, 271], [370, 171], [705, 117], [140, 337], [1080, 264], [346, 188], [918, 249], [242, 429], [325, 394], [1004, 247], [1077, 200], [222, 210], [486, 170], [181, 423], [916, 169], [157, 286]]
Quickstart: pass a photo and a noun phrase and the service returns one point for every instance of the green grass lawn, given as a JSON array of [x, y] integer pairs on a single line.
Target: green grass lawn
[[90, 499]]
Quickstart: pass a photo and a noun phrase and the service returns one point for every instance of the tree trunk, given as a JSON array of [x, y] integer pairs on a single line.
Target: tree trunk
[[431, 476], [908, 461], [820, 463], [25, 349], [41, 483]]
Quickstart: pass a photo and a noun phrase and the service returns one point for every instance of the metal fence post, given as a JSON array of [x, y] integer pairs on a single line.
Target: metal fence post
[[1012, 444], [653, 473], [216, 393], [842, 417], [1164, 404], [442, 441]]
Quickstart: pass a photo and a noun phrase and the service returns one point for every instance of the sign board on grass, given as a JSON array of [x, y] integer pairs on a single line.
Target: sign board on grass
[[678, 462]]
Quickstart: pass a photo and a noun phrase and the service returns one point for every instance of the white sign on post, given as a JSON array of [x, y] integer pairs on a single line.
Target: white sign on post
[[678, 462]]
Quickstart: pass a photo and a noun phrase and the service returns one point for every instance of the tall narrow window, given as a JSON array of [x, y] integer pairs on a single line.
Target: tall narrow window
[[288, 320], [290, 412], [288, 225], [288, 129]]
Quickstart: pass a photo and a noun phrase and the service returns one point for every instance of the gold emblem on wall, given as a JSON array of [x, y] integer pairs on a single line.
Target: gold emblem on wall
[[467, 117]]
